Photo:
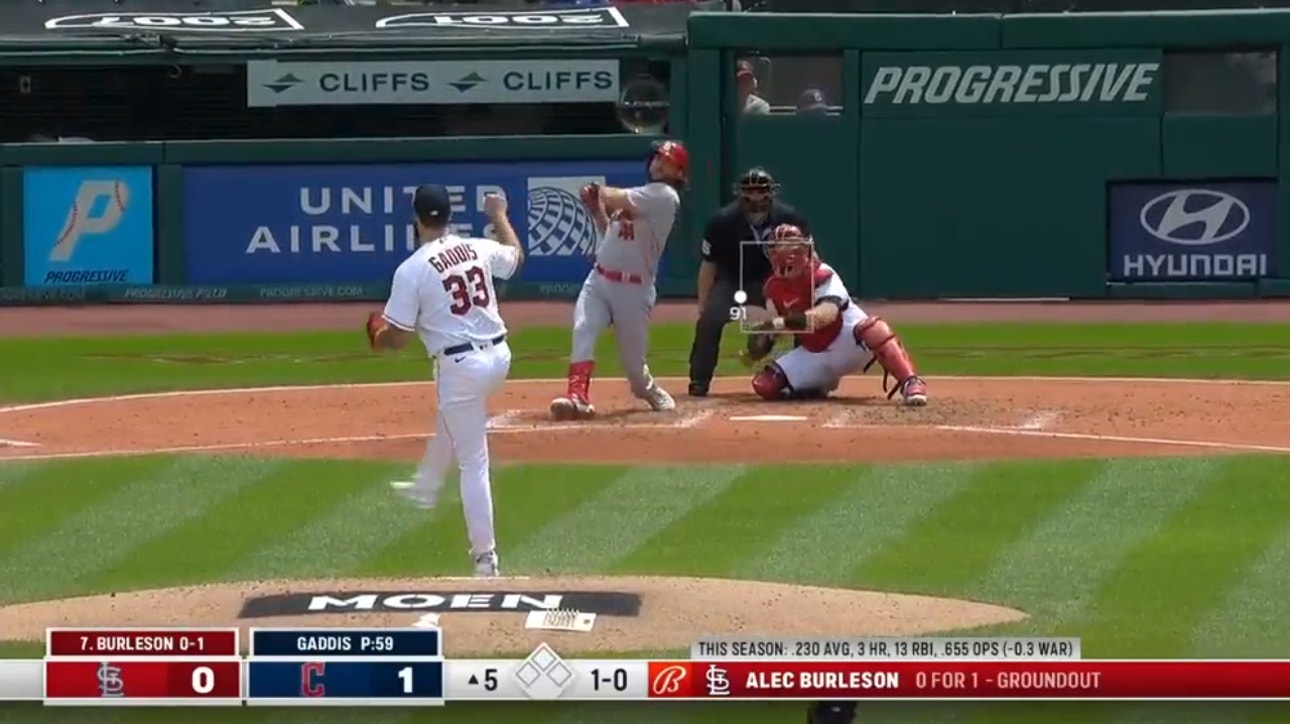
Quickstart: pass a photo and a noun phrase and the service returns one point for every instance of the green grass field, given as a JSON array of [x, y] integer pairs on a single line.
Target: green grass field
[[1159, 557]]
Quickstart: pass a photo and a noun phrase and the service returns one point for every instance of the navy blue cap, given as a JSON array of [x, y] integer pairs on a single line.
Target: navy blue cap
[[431, 202]]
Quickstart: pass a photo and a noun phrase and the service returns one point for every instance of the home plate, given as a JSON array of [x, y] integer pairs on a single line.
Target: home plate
[[767, 418]]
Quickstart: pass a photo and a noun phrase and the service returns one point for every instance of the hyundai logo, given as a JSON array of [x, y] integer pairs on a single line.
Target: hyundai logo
[[1194, 217]]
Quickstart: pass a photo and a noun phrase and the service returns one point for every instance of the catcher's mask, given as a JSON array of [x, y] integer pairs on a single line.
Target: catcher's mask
[[756, 192], [792, 253]]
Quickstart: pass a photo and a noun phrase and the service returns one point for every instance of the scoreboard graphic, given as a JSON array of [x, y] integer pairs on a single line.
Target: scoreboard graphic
[[406, 667]]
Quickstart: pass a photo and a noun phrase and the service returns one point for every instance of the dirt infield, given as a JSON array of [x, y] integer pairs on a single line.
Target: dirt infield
[[969, 418]]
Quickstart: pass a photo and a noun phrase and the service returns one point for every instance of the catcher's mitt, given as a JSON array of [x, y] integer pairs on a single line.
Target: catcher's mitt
[[759, 347], [375, 323]]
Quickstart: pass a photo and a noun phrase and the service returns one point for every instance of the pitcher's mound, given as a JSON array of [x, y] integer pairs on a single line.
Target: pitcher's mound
[[486, 616]]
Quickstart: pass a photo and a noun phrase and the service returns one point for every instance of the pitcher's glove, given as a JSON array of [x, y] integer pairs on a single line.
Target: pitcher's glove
[[591, 196], [375, 325]]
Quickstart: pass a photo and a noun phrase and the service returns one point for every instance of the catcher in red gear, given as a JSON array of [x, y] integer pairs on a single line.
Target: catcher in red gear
[[833, 335]]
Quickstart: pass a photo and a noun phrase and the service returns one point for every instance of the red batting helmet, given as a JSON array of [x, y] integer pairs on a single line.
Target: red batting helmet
[[675, 155]]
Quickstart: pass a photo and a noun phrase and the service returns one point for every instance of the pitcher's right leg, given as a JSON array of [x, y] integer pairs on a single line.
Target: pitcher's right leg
[[591, 316]]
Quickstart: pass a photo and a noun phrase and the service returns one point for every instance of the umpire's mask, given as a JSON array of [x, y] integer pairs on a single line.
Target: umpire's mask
[[756, 192]]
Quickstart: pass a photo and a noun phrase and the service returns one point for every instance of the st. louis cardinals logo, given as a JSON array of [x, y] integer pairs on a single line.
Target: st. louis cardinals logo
[[667, 680]]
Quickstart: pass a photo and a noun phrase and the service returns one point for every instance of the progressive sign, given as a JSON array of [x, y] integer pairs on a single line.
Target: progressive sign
[[1012, 83]]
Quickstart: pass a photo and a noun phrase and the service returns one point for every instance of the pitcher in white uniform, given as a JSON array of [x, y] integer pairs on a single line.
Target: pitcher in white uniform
[[444, 294], [634, 225]]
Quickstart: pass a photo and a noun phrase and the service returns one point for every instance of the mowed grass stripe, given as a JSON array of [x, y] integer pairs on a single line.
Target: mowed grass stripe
[[336, 542], [1249, 621], [72, 557], [728, 530], [1053, 572], [959, 540], [607, 528], [526, 499], [824, 546], [40, 497], [268, 503], [1151, 604]]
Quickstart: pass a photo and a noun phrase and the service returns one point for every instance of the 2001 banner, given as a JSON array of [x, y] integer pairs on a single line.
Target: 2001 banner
[[1193, 232], [351, 223]]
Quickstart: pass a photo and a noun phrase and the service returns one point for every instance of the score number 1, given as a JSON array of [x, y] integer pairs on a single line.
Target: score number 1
[[405, 675]]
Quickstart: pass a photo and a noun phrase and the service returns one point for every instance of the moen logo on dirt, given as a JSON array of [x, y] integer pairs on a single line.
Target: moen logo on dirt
[[239, 21], [607, 603], [1032, 83], [574, 19]]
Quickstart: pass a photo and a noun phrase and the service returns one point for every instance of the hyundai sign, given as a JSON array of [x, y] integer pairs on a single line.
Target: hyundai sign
[[1218, 231]]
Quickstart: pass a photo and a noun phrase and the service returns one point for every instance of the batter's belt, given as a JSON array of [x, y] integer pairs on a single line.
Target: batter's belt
[[614, 275]]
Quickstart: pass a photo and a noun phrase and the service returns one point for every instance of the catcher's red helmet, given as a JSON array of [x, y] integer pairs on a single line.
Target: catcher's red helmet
[[788, 232], [791, 252]]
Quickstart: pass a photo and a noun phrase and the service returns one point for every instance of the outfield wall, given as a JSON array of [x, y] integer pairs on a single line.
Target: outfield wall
[[1091, 155]]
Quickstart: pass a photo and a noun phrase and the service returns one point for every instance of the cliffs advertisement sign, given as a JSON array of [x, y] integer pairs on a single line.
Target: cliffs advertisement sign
[[272, 83], [1012, 83], [1224, 231]]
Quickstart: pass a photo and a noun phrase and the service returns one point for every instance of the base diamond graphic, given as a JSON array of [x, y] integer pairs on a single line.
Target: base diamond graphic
[[527, 674], [543, 675]]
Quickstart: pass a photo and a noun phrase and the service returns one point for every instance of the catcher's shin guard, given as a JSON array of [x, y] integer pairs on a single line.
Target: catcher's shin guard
[[580, 380], [876, 336], [771, 383]]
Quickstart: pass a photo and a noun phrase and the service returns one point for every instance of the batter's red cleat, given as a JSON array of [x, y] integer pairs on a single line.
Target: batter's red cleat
[[571, 408], [914, 391]]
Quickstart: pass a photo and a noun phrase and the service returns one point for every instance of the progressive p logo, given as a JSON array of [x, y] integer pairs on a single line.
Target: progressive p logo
[[85, 225]]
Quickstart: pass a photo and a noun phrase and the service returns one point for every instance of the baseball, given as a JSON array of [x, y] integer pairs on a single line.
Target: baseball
[[741, 297]]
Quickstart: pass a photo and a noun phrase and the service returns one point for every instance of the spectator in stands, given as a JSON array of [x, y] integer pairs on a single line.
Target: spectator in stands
[[812, 103], [746, 82]]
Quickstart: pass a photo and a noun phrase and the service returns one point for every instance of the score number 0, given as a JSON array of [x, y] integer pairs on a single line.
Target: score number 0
[[203, 680]]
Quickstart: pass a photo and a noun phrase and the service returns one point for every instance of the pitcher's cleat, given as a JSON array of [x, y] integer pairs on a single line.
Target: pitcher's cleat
[[486, 566]]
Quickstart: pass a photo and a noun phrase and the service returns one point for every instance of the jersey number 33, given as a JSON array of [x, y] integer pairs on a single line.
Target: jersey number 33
[[468, 289]]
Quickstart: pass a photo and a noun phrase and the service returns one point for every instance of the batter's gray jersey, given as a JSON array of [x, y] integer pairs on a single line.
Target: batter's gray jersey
[[634, 245]]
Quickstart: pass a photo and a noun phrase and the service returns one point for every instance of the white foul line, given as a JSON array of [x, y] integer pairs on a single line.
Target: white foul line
[[1114, 438]]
